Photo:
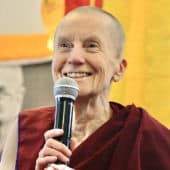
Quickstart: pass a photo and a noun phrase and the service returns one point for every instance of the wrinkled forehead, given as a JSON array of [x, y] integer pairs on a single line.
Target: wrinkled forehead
[[75, 23]]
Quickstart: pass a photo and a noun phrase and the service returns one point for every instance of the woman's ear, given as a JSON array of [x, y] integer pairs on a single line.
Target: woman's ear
[[120, 72]]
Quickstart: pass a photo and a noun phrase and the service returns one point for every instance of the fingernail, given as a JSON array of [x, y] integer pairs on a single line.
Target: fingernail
[[54, 158], [61, 131]]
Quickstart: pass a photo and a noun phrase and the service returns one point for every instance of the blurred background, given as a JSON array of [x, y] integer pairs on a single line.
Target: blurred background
[[26, 36]]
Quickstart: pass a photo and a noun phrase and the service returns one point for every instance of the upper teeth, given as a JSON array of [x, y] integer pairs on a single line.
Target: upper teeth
[[77, 74]]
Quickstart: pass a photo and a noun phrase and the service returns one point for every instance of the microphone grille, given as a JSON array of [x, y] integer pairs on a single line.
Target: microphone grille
[[66, 87]]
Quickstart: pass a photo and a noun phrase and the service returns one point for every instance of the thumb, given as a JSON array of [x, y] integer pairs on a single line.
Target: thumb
[[59, 167]]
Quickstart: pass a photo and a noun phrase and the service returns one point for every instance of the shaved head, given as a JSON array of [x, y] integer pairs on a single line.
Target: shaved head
[[114, 27]]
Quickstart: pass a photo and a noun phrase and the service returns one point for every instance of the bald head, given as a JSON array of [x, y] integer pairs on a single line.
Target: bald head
[[114, 27]]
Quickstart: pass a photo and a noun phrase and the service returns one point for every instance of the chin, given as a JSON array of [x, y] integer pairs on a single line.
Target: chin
[[87, 93]]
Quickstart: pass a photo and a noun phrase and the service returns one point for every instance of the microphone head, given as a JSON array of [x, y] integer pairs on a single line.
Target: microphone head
[[66, 87]]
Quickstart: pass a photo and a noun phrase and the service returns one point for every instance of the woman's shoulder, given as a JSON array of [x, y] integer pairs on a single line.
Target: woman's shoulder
[[37, 113]]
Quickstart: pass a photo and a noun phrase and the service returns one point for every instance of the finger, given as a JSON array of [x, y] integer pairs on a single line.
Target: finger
[[60, 167], [50, 168], [52, 143], [52, 152], [53, 133], [41, 163]]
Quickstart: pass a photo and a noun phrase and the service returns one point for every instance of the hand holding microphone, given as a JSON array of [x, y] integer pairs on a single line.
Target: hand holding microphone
[[57, 141]]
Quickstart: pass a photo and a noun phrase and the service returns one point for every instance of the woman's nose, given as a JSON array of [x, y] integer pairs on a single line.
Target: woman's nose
[[76, 56]]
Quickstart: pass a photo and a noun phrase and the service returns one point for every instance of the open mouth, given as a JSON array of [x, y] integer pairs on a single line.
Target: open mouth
[[77, 74]]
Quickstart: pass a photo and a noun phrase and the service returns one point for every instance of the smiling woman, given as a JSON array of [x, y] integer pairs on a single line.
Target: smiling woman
[[105, 135], [88, 51]]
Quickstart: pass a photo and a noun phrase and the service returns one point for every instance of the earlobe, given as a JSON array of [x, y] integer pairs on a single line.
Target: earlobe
[[115, 78]]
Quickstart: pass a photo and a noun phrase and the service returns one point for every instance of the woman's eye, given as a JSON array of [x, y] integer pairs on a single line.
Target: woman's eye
[[64, 45], [93, 45]]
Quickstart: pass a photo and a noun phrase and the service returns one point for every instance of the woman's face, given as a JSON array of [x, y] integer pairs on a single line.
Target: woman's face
[[84, 51]]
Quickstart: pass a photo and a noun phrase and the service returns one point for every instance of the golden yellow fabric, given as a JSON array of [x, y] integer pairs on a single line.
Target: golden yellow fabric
[[147, 79], [52, 13]]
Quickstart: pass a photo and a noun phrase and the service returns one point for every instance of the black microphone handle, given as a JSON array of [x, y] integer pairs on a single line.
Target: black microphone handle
[[63, 118]]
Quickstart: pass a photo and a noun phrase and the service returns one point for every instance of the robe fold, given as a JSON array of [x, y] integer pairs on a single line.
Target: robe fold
[[130, 140]]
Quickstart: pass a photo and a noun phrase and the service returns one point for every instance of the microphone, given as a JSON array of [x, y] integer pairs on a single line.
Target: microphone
[[65, 92]]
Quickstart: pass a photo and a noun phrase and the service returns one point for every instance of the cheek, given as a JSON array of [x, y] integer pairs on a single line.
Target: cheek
[[103, 76], [107, 71], [58, 63], [55, 69]]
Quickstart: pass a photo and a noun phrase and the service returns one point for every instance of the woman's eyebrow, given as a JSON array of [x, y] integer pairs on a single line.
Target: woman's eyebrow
[[92, 38]]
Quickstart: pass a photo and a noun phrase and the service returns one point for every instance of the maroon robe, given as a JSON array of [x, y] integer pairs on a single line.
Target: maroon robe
[[130, 140]]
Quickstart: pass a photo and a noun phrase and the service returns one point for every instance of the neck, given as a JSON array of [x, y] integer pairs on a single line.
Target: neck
[[90, 113]]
